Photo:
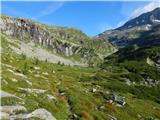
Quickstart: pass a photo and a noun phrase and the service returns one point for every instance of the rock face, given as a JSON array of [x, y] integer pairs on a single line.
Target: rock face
[[37, 52], [131, 31], [60, 40], [24, 29]]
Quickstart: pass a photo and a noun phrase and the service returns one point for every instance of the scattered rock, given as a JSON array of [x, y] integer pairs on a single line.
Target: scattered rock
[[36, 91], [94, 90], [158, 60], [4, 115], [151, 82], [61, 92], [14, 80], [36, 75], [5, 82], [111, 117], [19, 112], [13, 109], [6, 94], [53, 72], [107, 92], [127, 81], [30, 71], [119, 99], [36, 68], [44, 77], [112, 97], [110, 101], [28, 82], [42, 114], [50, 97], [59, 83], [19, 117], [6, 65], [45, 73], [150, 61], [17, 74], [75, 116], [101, 108], [22, 95], [139, 116], [98, 86]]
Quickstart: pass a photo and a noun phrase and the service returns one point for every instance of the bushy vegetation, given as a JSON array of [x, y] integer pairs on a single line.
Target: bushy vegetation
[[133, 66]]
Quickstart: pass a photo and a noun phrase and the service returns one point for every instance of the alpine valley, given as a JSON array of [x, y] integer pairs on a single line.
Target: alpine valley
[[60, 73]]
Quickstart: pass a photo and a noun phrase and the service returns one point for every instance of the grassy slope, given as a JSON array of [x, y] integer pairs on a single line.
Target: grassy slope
[[134, 59], [77, 84]]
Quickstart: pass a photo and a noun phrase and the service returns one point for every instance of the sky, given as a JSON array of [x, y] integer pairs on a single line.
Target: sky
[[90, 17]]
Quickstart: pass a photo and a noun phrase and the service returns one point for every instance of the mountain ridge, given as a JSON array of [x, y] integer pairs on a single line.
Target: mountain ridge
[[143, 19], [133, 29]]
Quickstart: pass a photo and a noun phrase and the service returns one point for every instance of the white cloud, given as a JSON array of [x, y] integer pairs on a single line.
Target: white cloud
[[121, 23], [103, 27], [149, 7], [46, 10], [49, 9], [14, 11]]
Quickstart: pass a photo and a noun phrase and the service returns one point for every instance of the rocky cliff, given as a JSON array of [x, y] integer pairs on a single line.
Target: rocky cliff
[[61, 40]]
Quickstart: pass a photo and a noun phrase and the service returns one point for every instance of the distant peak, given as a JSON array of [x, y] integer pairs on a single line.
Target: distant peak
[[144, 19]]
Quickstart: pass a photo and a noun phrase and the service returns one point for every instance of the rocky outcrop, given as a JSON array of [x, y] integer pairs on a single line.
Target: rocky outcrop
[[15, 112], [119, 99], [42, 114], [27, 30], [113, 97]]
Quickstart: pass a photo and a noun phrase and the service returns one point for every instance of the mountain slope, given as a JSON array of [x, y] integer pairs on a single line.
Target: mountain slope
[[34, 89], [150, 18], [133, 30], [67, 42], [141, 58]]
